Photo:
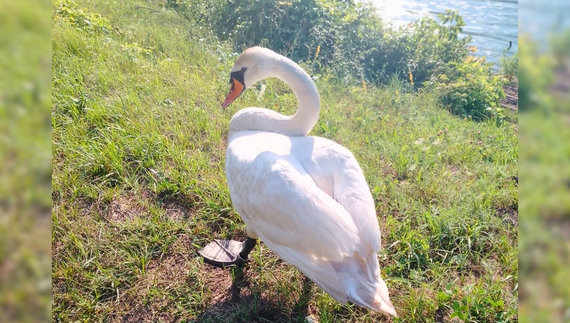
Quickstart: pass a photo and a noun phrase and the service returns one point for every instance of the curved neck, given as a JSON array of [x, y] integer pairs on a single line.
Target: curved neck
[[301, 123]]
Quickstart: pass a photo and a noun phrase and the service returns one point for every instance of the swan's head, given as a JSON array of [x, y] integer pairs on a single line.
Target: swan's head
[[253, 65]]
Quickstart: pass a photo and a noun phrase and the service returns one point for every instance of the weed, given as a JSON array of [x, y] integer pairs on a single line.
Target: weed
[[509, 67]]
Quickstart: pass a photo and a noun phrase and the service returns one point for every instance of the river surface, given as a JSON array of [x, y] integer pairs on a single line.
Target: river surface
[[492, 24], [541, 19]]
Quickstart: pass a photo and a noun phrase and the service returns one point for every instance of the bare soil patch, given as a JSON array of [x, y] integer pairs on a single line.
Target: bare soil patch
[[441, 314], [124, 208], [509, 215], [511, 99]]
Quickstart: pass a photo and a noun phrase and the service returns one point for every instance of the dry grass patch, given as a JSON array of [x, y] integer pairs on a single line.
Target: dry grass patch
[[124, 208]]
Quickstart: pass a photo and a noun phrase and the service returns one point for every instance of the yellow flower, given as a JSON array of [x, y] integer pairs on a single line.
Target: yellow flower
[[318, 51], [396, 92], [363, 85], [411, 78]]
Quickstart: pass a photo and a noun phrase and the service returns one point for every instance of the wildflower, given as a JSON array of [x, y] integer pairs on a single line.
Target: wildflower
[[318, 51], [411, 78], [397, 92], [363, 85]]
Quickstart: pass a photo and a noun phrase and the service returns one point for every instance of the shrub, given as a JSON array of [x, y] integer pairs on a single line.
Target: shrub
[[469, 89], [422, 48], [352, 42], [341, 30], [347, 41], [90, 22]]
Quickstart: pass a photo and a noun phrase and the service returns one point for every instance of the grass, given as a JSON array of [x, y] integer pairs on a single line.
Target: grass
[[25, 174], [544, 232], [139, 186]]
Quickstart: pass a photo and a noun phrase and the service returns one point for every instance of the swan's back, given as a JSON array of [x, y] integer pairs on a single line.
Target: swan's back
[[307, 199]]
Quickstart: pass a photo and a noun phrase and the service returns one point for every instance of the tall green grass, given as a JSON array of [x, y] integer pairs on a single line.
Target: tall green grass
[[139, 187]]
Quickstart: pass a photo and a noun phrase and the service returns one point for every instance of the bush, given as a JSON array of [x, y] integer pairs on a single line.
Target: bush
[[422, 49], [347, 41], [469, 89], [332, 35], [90, 22], [344, 38]]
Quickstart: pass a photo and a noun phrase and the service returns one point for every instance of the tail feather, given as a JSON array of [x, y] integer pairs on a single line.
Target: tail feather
[[356, 279], [373, 297], [371, 293]]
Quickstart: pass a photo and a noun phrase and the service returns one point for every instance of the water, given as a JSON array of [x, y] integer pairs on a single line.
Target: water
[[492, 24], [543, 19]]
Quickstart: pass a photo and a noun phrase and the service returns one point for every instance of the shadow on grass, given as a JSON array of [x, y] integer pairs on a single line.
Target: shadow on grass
[[244, 304]]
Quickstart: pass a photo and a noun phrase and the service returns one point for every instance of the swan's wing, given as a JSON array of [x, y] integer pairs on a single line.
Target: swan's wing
[[353, 193], [310, 204], [335, 170], [281, 203]]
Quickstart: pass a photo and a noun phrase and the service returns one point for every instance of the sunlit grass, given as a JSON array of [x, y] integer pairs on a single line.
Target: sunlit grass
[[25, 162], [139, 187]]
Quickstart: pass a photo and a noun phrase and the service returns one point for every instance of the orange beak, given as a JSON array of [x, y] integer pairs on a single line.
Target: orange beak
[[235, 90]]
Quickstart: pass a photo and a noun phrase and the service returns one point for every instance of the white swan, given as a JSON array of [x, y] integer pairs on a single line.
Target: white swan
[[305, 197]]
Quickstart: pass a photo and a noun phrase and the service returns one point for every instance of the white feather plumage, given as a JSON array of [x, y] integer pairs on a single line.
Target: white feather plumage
[[305, 197]]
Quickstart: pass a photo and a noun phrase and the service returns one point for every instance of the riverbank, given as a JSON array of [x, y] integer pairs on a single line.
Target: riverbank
[[511, 99], [493, 25]]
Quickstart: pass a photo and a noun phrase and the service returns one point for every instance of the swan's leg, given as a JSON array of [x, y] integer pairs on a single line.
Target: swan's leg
[[248, 246]]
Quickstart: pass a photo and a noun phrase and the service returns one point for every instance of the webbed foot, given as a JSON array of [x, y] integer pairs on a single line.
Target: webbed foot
[[228, 253]]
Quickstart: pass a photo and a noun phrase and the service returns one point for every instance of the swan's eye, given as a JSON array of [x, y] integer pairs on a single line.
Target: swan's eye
[[237, 76]]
